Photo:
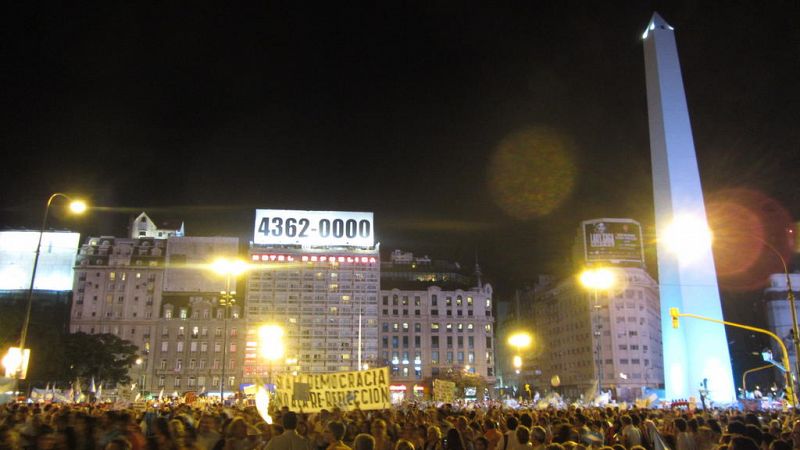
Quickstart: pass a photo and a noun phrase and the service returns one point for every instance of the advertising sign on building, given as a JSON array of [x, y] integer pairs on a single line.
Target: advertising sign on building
[[612, 240], [313, 228], [365, 389], [56, 260]]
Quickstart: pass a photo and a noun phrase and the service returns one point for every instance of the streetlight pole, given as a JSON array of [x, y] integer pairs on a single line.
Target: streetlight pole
[[231, 269], [599, 346], [76, 207], [596, 279], [226, 301], [791, 299]]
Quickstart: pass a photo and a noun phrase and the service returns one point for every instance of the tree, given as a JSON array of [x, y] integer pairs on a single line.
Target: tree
[[106, 357], [464, 379]]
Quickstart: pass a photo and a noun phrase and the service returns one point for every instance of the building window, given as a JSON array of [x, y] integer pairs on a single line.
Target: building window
[[435, 357], [435, 341], [164, 346], [417, 327], [434, 300], [435, 326]]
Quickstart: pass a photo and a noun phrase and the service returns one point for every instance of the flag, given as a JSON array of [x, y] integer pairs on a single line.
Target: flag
[[100, 391], [93, 389], [161, 394]]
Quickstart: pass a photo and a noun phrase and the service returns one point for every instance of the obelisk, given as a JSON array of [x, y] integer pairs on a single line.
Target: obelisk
[[697, 350]]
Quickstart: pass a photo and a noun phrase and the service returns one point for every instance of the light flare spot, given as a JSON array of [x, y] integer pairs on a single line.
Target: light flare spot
[[532, 172]]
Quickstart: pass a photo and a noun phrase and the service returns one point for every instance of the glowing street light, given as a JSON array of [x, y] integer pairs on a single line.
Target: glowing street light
[[687, 237], [76, 207], [598, 278], [270, 342], [520, 340], [270, 345]]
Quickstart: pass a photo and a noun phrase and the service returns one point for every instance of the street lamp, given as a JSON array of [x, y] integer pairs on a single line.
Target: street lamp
[[270, 345], [599, 278], [230, 268], [791, 299], [76, 207], [520, 340]]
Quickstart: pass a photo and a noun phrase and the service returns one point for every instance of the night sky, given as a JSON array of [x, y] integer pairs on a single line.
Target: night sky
[[204, 114]]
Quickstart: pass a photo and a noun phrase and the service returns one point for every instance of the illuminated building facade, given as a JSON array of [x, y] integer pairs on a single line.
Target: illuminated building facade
[[159, 294], [319, 296], [568, 327], [428, 333], [317, 275], [779, 315]]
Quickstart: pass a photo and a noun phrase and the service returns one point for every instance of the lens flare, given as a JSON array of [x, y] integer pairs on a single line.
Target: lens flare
[[532, 172], [752, 233]]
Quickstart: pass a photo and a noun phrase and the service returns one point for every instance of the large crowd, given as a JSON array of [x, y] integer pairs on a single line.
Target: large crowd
[[407, 427]]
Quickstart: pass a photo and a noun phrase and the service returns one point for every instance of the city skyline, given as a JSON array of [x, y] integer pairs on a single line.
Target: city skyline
[[405, 112]]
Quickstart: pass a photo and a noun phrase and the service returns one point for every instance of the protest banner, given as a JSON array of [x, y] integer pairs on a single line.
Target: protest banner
[[444, 391], [365, 389]]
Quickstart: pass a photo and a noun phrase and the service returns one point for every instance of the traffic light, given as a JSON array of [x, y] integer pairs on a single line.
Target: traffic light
[[673, 312]]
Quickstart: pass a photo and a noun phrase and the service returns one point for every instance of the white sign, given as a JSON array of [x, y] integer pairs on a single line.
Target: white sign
[[313, 228], [56, 260]]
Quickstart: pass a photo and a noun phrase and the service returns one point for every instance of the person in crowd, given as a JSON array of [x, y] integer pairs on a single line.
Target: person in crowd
[[364, 441], [454, 440], [289, 439], [335, 436], [434, 441]]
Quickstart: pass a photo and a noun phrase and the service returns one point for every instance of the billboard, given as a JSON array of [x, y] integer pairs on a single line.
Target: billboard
[[612, 240], [56, 260], [313, 228]]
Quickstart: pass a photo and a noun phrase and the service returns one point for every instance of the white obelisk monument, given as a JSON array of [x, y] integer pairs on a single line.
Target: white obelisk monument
[[697, 350]]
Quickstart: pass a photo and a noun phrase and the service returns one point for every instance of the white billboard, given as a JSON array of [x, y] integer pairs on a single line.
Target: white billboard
[[313, 228], [56, 260]]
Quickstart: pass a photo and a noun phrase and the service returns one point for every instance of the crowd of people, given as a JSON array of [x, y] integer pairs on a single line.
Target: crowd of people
[[411, 426]]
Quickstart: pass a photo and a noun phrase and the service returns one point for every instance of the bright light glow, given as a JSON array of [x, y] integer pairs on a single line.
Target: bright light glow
[[599, 278], [688, 237], [139, 361], [517, 362], [262, 404], [224, 266], [78, 206], [16, 362], [520, 340], [270, 342]]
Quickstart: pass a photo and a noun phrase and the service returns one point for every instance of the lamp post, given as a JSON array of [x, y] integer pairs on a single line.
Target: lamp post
[[520, 341], [791, 299], [75, 206], [597, 279], [230, 268]]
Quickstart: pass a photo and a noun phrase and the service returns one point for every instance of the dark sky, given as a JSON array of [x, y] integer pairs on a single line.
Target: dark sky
[[204, 114]]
